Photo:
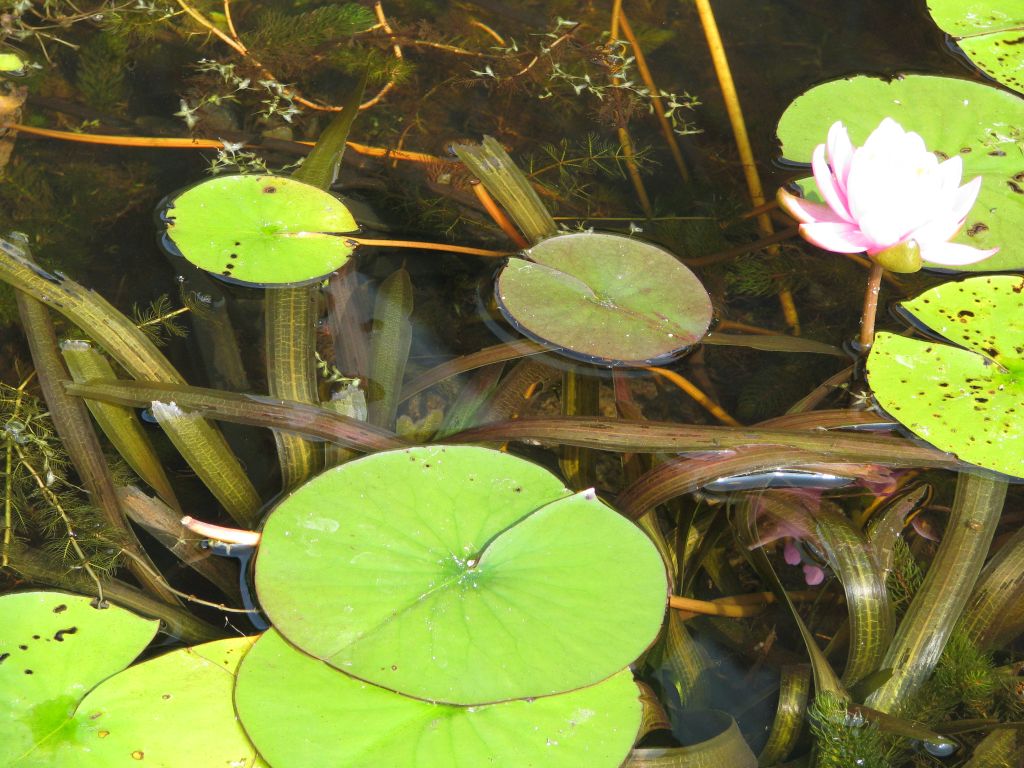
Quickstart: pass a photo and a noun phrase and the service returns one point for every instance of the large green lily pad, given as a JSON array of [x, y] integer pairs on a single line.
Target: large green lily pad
[[606, 298], [982, 124], [459, 574], [966, 399], [55, 647], [261, 230], [324, 717], [66, 701], [989, 32]]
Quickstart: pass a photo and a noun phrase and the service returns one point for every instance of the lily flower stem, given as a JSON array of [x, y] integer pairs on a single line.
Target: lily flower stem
[[867, 318]]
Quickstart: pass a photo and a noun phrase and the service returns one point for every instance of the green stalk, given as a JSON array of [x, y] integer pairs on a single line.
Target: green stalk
[[71, 421], [118, 422], [490, 163], [934, 611], [390, 342], [137, 354]]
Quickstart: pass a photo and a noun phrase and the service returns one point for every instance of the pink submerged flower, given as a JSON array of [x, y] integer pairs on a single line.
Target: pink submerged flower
[[890, 195]]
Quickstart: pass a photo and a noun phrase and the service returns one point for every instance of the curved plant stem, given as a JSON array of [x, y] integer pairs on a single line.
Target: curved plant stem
[[867, 318], [934, 611], [697, 394]]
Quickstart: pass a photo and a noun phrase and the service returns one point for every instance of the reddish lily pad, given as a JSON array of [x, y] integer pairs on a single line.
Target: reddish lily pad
[[605, 298]]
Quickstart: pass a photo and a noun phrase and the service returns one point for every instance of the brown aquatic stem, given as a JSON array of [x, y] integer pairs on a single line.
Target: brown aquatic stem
[[867, 318]]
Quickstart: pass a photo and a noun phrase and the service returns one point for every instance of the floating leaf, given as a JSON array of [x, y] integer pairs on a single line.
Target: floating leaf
[[990, 33], [606, 298], [966, 399], [54, 647], [324, 717], [261, 230], [172, 710], [980, 123], [459, 574]]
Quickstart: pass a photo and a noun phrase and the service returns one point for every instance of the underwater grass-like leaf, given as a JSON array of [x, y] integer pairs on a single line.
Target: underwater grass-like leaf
[[390, 341], [790, 714], [459, 574], [726, 748], [994, 616], [325, 717]]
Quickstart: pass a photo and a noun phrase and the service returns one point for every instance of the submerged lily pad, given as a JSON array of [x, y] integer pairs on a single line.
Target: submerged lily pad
[[261, 230], [989, 32], [65, 701], [324, 717], [459, 574], [980, 123], [967, 399], [606, 298]]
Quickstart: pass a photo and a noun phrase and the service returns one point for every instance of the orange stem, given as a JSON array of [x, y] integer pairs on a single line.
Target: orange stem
[[693, 391], [498, 215]]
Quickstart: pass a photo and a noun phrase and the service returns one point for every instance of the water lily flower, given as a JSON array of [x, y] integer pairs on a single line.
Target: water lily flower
[[891, 198]]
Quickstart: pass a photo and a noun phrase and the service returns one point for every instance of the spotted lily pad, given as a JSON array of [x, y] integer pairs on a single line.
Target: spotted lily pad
[[459, 574], [984, 125], [260, 230], [966, 399], [990, 32], [324, 717], [605, 298], [65, 701]]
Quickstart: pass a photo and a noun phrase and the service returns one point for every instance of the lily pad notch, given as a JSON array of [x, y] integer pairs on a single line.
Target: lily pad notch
[[261, 230]]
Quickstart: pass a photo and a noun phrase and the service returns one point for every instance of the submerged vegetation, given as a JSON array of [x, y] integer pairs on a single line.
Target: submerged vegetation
[[425, 351]]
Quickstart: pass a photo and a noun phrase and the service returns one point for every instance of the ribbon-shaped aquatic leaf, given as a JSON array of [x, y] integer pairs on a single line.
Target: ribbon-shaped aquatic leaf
[[65, 701], [954, 117], [324, 717], [260, 230], [989, 32], [966, 399], [459, 574], [605, 298]]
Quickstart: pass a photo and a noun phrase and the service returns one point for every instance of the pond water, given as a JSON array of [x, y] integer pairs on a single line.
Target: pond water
[[543, 79]]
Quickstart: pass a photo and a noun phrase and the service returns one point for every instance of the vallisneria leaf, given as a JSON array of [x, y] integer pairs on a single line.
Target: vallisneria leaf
[[459, 574]]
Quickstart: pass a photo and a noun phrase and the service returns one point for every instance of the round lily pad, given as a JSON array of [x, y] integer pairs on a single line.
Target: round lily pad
[[54, 647], [324, 717], [260, 230], [989, 32], [966, 399], [980, 123], [605, 298], [459, 574]]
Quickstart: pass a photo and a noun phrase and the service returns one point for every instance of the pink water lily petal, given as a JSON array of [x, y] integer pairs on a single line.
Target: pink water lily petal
[[830, 191], [840, 152], [965, 198], [804, 210], [841, 238], [953, 254]]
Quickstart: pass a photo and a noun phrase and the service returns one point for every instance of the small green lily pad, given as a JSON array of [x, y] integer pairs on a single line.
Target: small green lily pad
[[980, 123], [11, 64], [967, 399], [261, 230], [55, 647], [459, 574], [605, 298], [989, 32], [324, 717]]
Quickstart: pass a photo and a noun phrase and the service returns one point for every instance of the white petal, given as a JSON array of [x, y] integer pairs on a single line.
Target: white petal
[[953, 254], [830, 191], [840, 152], [839, 238], [805, 211]]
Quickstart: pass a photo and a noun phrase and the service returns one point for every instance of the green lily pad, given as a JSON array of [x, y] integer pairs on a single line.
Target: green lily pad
[[324, 717], [65, 701], [459, 574], [989, 32], [55, 647], [605, 298], [966, 399], [982, 124], [11, 64], [261, 230]]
